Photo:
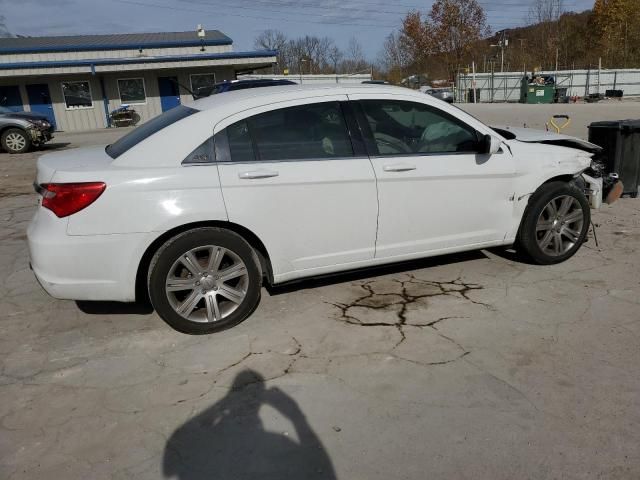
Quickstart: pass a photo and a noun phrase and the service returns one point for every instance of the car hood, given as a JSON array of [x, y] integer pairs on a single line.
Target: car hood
[[24, 116], [531, 135]]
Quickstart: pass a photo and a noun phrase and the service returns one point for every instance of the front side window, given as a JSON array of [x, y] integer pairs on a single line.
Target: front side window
[[132, 90], [406, 128], [77, 94], [304, 132]]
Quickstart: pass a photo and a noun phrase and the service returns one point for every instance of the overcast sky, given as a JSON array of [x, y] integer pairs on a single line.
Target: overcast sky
[[370, 21]]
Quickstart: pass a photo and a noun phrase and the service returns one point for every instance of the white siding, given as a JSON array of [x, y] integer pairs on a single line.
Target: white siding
[[95, 117], [77, 119]]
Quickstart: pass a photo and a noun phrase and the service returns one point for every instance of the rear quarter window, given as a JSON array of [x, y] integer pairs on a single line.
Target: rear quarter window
[[147, 129]]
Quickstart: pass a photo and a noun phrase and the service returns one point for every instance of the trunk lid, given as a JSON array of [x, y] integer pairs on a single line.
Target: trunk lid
[[74, 161]]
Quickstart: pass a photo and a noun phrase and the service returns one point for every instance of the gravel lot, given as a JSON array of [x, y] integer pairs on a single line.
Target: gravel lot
[[471, 366]]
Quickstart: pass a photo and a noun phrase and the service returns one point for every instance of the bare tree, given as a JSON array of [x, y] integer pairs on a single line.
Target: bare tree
[[270, 40], [335, 56], [546, 14], [273, 40], [394, 59], [4, 31], [543, 11], [355, 60], [309, 54], [456, 25]]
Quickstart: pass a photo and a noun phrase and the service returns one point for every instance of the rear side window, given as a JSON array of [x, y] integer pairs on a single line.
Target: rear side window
[[202, 154], [305, 132], [234, 144], [315, 131], [147, 129]]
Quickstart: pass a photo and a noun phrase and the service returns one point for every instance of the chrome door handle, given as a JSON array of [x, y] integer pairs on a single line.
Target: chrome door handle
[[398, 167], [258, 174]]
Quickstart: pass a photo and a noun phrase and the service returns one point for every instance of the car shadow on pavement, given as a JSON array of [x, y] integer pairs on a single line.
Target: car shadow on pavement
[[53, 146], [114, 308], [229, 441], [144, 307], [371, 272]]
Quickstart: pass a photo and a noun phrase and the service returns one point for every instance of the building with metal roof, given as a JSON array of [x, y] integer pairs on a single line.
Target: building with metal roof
[[78, 80]]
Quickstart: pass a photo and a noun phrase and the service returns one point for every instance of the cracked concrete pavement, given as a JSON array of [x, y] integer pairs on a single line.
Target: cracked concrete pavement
[[464, 366]]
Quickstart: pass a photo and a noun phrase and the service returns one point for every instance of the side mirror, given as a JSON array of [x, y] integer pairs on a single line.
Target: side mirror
[[490, 145]]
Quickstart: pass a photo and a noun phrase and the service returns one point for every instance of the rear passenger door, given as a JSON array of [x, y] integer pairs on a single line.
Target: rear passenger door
[[289, 173]]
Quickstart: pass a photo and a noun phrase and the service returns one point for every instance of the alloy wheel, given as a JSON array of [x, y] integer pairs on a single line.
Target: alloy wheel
[[15, 141], [207, 284], [559, 225]]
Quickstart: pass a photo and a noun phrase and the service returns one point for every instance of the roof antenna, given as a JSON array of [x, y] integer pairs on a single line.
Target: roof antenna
[[201, 34], [175, 82]]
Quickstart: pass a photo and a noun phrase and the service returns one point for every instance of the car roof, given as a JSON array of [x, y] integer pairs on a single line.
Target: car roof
[[279, 93], [162, 149]]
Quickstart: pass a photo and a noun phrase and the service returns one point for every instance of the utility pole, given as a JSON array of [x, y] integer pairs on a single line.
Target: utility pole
[[473, 82], [502, 44]]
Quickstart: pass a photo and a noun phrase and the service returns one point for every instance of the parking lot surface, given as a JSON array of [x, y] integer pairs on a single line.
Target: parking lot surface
[[470, 366]]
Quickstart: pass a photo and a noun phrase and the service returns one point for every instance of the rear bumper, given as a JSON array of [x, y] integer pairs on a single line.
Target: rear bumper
[[92, 267]]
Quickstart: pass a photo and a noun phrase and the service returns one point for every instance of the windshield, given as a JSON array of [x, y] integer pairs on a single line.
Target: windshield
[[147, 129], [5, 110]]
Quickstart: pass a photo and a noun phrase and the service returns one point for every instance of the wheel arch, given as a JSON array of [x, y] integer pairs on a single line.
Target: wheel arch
[[566, 177], [563, 177], [9, 126], [253, 240], [13, 126]]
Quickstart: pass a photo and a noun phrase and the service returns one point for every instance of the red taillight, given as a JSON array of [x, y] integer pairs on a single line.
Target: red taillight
[[65, 199]]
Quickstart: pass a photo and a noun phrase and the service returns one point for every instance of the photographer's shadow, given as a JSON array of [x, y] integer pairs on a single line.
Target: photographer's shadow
[[228, 440]]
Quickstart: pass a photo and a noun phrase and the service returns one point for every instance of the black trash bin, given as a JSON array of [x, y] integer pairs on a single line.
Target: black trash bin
[[560, 95], [470, 98], [620, 140]]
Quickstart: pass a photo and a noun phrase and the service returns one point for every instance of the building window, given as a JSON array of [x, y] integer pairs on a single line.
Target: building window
[[202, 82], [132, 90], [77, 94]]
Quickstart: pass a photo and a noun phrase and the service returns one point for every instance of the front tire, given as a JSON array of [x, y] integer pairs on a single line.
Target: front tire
[[204, 280], [555, 223], [15, 140]]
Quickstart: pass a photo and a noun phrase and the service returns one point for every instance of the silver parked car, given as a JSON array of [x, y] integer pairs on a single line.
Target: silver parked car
[[445, 94], [20, 131]]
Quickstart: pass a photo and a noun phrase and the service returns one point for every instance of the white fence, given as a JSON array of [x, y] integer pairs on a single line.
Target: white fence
[[501, 87]]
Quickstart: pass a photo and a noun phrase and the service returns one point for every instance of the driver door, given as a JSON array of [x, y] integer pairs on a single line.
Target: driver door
[[436, 192]]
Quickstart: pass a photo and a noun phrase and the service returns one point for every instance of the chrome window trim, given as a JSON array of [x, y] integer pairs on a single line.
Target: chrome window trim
[[288, 160]]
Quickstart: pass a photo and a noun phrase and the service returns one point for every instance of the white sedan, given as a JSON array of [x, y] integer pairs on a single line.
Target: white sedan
[[199, 207]]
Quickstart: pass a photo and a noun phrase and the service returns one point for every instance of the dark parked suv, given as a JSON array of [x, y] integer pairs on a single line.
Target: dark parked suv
[[20, 131]]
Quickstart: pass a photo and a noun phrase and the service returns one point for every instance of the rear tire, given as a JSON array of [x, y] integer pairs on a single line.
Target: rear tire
[[15, 140], [204, 280], [555, 223]]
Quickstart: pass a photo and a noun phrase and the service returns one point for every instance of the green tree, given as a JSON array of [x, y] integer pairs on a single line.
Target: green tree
[[617, 27], [447, 35]]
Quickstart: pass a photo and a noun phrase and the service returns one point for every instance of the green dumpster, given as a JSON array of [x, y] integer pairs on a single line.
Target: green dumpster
[[532, 92], [539, 94]]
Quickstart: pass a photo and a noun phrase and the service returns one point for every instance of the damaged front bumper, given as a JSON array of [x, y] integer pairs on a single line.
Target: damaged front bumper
[[40, 136], [602, 189]]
